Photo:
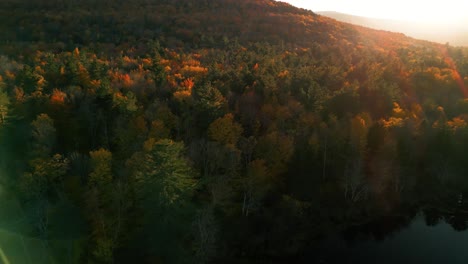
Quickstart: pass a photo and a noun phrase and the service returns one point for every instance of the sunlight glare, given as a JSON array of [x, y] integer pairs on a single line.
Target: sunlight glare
[[429, 11], [3, 257]]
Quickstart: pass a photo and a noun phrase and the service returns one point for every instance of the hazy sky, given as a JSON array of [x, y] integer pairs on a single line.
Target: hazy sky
[[427, 11]]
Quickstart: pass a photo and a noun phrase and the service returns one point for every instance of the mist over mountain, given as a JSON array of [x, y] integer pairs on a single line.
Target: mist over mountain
[[456, 35]]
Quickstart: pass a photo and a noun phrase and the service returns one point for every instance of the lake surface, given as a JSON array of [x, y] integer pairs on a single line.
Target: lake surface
[[415, 243]]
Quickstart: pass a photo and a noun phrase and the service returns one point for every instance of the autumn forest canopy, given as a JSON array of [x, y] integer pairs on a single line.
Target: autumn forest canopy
[[217, 131]]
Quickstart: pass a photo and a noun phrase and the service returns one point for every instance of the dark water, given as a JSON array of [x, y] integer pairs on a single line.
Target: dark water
[[415, 243]]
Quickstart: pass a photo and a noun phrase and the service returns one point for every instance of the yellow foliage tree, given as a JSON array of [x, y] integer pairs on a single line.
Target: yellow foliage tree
[[225, 130], [101, 161]]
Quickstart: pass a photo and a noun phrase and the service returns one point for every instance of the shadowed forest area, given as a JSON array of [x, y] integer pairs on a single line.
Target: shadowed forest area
[[219, 131]]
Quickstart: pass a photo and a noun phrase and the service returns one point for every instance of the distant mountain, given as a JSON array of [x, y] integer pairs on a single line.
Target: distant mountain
[[457, 36]]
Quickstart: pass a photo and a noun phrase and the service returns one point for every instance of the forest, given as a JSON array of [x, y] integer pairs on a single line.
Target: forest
[[218, 131]]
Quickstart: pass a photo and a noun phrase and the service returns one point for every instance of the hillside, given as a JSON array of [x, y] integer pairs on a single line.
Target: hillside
[[455, 35], [176, 24], [217, 131]]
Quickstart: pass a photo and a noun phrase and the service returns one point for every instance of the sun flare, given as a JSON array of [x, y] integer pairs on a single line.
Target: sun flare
[[429, 11]]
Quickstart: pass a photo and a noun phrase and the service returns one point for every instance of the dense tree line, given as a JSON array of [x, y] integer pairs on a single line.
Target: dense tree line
[[247, 140]]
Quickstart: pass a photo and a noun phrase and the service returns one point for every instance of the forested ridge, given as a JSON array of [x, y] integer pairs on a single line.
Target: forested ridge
[[217, 131]]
